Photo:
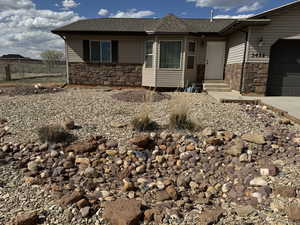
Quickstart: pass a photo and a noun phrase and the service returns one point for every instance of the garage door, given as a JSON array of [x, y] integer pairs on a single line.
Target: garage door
[[284, 72]]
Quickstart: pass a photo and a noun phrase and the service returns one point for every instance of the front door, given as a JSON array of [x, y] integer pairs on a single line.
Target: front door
[[215, 56]]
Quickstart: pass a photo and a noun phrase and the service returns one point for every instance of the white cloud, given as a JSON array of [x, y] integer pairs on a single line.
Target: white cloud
[[132, 13], [15, 4], [103, 12], [234, 16], [248, 8], [68, 4], [26, 30], [226, 4]]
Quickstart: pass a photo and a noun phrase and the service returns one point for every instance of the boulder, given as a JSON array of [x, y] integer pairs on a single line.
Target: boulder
[[236, 148], [70, 198], [254, 138], [258, 181], [122, 212], [82, 147], [26, 219], [293, 213], [141, 141], [210, 216], [285, 191]]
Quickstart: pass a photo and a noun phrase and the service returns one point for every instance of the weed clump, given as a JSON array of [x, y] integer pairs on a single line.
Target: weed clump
[[179, 113], [53, 134]]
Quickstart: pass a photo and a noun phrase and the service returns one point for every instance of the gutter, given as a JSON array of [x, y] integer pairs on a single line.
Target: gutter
[[242, 88]]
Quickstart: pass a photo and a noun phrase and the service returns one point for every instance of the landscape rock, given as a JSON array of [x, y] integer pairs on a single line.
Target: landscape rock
[[236, 148], [82, 147], [71, 198], [141, 141], [210, 216], [285, 191], [85, 211], [269, 171], [254, 138], [26, 219], [123, 212], [293, 212], [244, 210], [258, 181]]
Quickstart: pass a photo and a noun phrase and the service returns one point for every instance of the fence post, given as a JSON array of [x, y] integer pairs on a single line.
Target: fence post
[[7, 73]]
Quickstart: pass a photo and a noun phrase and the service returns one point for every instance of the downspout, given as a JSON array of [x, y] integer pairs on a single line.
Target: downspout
[[242, 88], [67, 58]]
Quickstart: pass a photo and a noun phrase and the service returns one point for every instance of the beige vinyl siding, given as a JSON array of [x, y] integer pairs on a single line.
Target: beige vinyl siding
[[75, 50], [284, 24], [236, 48], [131, 51], [130, 47], [170, 77]]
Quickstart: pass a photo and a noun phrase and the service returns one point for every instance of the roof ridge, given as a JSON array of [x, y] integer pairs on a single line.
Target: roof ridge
[[171, 19]]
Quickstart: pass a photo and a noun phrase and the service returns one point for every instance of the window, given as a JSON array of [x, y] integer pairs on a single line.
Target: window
[[148, 54], [170, 54], [101, 51], [191, 55]]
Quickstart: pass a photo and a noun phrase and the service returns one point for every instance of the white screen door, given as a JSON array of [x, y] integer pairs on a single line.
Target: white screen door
[[215, 56]]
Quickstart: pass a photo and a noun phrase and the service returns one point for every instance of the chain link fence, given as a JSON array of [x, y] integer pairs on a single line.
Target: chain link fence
[[31, 71]]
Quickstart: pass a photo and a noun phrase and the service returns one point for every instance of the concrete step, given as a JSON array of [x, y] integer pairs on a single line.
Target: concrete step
[[218, 89], [216, 86], [213, 81]]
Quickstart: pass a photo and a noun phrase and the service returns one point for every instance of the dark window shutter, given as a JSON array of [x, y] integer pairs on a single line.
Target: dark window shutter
[[115, 51], [86, 50]]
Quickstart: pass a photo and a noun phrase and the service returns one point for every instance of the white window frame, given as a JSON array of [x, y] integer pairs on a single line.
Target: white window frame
[[181, 57], [191, 54], [145, 55], [100, 61]]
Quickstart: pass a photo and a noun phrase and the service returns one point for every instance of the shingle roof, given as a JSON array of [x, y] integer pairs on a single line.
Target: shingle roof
[[167, 24]]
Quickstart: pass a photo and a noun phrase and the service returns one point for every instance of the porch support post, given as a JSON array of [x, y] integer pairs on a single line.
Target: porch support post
[[156, 58], [184, 53]]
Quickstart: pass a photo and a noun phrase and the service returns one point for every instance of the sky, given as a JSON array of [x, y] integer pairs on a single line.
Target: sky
[[25, 25]]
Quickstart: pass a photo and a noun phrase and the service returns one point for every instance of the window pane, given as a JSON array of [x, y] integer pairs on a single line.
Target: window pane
[[149, 47], [149, 60], [170, 54], [192, 47], [105, 51], [190, 63], [95, 51]]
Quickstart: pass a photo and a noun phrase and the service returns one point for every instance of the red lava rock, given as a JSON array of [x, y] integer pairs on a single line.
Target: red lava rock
[[293, 212], [71, 198], [26, 219], [122, 212], [82, 147]]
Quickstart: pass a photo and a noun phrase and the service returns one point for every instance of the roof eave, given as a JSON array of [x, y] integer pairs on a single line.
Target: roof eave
[[242, 23]]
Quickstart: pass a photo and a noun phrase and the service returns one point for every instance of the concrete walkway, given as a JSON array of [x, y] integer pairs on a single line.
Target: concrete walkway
[[291, 105]]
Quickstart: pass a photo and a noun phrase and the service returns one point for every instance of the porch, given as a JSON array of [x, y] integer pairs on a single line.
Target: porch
[[183, 61]]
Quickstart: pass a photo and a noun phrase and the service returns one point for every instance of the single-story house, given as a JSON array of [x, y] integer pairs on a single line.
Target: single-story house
[[259, 54]]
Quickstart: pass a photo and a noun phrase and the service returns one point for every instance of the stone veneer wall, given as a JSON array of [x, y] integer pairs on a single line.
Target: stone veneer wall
[[255, 77], [233, 76], [105, 74]]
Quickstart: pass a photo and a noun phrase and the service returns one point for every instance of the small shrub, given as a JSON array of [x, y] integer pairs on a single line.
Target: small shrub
[[143, 123], [179, 113], [53, 134]]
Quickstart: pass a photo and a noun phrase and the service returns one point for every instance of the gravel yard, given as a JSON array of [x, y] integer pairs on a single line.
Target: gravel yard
[[94, 110], [98, 112]]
